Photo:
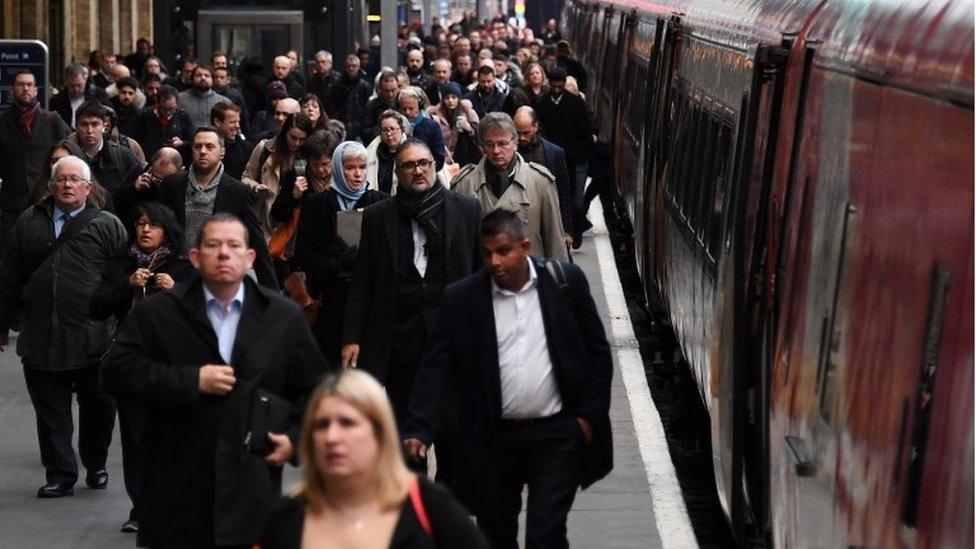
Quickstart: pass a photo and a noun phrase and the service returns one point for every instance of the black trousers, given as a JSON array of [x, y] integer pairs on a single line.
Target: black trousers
[[546, 455], [132, 423], [50, 393], [399, 386]]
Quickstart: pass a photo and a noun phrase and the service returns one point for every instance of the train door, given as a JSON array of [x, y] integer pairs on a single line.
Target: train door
[[755, 154], [656, 152], [242, 34]]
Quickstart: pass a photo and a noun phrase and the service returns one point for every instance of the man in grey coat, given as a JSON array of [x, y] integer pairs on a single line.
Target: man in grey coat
[[50, 270], [198, 100]]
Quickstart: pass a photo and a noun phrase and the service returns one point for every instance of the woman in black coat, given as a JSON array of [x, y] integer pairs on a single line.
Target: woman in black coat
[[351, 458], [150, 264], [328, 262]]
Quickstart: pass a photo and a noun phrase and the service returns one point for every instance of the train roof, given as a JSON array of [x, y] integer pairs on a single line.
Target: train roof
[[925, 47]]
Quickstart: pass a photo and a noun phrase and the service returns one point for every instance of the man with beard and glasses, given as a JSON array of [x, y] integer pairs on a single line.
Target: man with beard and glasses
[[26, 133], [411, 247]]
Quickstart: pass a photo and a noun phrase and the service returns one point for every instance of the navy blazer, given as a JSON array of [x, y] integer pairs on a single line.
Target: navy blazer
[[429, 132], [556, 162], [463, 346]]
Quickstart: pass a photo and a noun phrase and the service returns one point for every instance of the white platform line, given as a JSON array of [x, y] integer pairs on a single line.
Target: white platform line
[[670, 513]]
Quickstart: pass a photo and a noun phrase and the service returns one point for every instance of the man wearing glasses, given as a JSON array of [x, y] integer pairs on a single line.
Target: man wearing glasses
[[504, 180], [26, 133], [52, 265], [411, 247]]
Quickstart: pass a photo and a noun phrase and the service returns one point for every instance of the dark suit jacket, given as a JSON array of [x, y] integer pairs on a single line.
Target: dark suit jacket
[[463, 343], [233, 197], [371, 307], [200, 486], [429, 132], [22, 159], [556, 162], [61, 103], [149, 132]]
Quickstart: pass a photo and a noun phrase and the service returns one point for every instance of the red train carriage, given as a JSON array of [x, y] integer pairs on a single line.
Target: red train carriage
[[799, 178]]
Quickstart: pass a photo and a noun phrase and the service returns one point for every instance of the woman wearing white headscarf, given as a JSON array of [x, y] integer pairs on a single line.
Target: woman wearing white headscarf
[[327, 260]]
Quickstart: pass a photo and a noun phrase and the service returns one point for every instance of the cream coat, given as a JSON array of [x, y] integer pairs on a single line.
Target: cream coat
[[532, 196]]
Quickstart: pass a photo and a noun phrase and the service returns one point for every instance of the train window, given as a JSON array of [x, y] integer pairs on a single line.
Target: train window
[[723, 151], [692, 157], [611, 57], [706, 181]]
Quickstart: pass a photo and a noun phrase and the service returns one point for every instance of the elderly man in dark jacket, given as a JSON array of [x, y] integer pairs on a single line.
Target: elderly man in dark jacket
[[26, 133], [348, 97], [50, 269], [412, 103], [533, 369], [201, 358]]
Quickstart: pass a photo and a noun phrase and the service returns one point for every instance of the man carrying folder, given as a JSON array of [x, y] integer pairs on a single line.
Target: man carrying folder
[[193, 357]]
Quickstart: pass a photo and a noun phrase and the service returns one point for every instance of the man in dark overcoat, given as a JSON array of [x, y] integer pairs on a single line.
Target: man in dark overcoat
[[196, 357], [533, 371], [411, 247], [26, 133]]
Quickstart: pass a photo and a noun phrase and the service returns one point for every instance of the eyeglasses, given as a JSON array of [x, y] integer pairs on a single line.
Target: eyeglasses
[[70, 180], [422, 164], [390, 131], [499, 145]]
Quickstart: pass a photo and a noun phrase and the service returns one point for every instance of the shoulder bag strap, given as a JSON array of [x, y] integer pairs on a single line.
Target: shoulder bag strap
[[418, 507], [70, 229]]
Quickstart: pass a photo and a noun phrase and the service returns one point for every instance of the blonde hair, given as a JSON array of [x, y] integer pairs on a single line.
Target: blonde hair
[[367, 396]]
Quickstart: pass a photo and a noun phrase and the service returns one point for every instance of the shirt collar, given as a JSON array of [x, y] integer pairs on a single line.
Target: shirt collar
[[58, 212], [533, 277], [209, 298]]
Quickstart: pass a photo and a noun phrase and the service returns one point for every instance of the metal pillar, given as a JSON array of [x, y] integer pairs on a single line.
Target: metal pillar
[[388, 29]]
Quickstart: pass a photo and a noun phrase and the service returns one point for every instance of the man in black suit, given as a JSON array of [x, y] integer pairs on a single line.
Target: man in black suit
[[163, 125], [197, 358], [411, 247], [204, 189], [534, 148], [533, 369], [75, 90]]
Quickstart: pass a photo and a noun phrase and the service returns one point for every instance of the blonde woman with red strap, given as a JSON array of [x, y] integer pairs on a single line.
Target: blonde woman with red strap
[[357, 491]]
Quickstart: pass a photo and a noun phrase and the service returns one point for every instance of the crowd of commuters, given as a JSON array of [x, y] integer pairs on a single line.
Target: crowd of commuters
[[198, 249]]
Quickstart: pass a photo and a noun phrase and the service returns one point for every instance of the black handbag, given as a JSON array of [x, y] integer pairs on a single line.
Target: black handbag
[[269, 413]]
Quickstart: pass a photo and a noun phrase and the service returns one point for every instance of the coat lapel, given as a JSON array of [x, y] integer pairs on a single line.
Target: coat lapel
[[450, 220], [249, 323], [192, 301], [489, 341], [390, 224]]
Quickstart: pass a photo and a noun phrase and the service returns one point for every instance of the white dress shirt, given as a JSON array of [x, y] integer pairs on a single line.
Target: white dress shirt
[[224, 321], [529, 387], [419, 254]]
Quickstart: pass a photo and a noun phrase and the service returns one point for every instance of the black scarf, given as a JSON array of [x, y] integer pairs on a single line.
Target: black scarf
[[500, 180], [425, 208], [384, 173]]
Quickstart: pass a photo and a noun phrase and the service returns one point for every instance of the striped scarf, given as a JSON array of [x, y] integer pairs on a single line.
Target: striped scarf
[[425, 208]]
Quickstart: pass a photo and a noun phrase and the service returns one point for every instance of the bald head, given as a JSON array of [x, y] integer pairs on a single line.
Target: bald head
[[165, 162], [527, 127], [285, 107], [282, 66]]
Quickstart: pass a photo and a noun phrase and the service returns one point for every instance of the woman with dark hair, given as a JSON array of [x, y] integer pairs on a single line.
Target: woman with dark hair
[[312, 108], [150, 264], [327, 260], [284, 151]]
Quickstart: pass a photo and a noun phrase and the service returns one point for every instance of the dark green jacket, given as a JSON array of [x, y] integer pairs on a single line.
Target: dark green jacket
[[57, 331]]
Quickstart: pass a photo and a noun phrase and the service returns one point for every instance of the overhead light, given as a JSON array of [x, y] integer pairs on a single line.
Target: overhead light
[[373, 18]]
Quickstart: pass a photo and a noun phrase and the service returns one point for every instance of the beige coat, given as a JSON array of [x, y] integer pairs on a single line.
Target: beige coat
[[532, 196], [267, 174]]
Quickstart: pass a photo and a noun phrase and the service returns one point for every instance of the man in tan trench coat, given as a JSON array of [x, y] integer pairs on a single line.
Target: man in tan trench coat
[[504, 180]]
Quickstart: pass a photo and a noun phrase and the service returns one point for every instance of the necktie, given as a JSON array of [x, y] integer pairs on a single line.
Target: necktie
[[64, 218]]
